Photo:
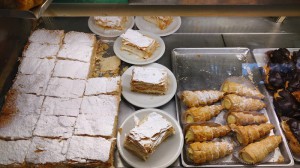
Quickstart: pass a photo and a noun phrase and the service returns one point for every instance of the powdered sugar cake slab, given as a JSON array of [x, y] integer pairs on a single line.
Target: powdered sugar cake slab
[[31, 66], [71, 69], [13, 152], [148, 100], [109, 32], [144, 25], [166, 153], [37, 50], [54, 106], [44, 36], [67, 88], [103, 85], [134, 59]]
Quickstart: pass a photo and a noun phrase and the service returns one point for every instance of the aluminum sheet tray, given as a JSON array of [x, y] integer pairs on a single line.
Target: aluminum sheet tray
[[207, 68], [262, 59]]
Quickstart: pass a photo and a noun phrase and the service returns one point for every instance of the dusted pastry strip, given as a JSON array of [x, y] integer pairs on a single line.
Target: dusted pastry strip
[[161, 21], [256, 152], [234, 102], [198, 98], [200, 133], [246, 118], [293, 142], [240, 89], [201, 152], [196, 114], [248, 134]]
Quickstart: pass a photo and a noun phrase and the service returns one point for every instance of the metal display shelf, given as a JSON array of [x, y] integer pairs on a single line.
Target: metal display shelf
[[34, 13]]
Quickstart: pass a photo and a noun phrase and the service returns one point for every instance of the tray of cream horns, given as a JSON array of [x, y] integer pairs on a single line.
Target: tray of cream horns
[[225, 116]]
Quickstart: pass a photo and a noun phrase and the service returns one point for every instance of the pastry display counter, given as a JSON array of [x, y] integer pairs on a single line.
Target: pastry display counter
[[195, 32]]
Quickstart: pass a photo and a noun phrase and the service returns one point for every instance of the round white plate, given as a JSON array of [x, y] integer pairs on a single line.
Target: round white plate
[[166, 153], [142, 24], [109, 32], [134, 59], [148, 100]]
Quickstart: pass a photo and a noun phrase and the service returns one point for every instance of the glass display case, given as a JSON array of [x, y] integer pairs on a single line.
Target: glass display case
[[205, 45]]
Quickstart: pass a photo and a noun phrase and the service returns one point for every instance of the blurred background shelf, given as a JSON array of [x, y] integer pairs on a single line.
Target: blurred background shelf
[[33, 13]]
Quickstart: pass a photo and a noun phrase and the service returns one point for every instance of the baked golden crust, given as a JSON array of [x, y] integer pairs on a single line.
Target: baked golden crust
[[200, 97], [20, 4], [246, 118], [205, 113], [234, 102], [293, 142], [241, 90]]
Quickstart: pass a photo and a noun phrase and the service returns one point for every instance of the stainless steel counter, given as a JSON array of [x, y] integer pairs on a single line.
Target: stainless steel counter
[[195, 32]]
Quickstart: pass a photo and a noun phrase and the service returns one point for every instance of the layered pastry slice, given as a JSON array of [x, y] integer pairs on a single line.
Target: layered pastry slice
[[145, 137], [149, 80], [111, 22], [160, 21], [138, 44]]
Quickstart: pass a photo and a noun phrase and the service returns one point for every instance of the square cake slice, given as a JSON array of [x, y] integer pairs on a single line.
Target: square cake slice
[[149, 80], [161, 22], [47, 151], [37, 50], [111, 22], [17, 126], [61, 106], [13, 153], [71, 69], [38, 66], [55, 126], [35, 84], [76, 52], [138, 44], [23, 104], [80, 38], [44, 36], [103, 105], [103, 85], [96, 125], [91, 151], [150, 132], [67, 88]]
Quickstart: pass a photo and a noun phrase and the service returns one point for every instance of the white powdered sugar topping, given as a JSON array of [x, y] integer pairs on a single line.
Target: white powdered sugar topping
[[150, 131], [68, 88], [206, 96], [36, 66], [137, 38], [82, 149], [149, 75], [79, 38], [102, 85], [109, 20], [35, 84], [13, 152], [61, 106], [37, 50], [76, 52], [71, 69], [44, 36]]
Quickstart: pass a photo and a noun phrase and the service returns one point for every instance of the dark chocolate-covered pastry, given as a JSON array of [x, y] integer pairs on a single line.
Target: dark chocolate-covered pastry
[[293, 84], [285, 103], [274, 80], [296, 60], [280, 55], [295, 128], [291, 131]]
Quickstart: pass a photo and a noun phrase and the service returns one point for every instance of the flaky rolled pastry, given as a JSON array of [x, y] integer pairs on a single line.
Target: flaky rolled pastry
[[201, 152], [257, 151], [234, 102], [246, 118], [293, 142], [200, 133], [196, 114], [248, 134], [203, 97], [241, 90]]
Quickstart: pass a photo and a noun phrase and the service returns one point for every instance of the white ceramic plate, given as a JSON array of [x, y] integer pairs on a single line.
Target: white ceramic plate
[[134, 59], [142, 24], [148, 100], [109, 32], [166, 153]]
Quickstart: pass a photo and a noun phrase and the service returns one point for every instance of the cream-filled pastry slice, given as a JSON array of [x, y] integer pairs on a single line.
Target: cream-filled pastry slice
[[148, 134], [160, 21], [111, 22], [138, 44], [103, 85], [149, 80]]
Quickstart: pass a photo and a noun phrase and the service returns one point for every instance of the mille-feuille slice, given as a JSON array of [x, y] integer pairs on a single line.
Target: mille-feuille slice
[[71, 69], [44, 36], [103, 85]]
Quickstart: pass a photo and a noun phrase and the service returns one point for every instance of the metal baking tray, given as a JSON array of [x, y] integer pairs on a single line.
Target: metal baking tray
[[262, 59], [207, 68]]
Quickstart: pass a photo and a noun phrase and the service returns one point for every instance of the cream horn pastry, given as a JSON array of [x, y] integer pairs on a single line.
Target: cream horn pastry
[[234, 102], [246, 118], [250, 133], [241, 90], [257, 151], [205, 132], [201, 97], [205, 113], [201, 152]]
